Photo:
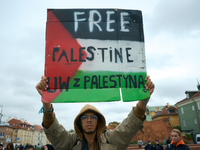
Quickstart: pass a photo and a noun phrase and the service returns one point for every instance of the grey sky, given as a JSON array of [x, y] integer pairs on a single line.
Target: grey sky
[[172, 37]]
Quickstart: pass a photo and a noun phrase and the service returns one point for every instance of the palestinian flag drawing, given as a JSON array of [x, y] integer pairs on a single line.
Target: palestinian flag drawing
[[94, 55]]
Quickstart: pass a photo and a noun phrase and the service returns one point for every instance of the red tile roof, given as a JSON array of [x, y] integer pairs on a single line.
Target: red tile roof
[[18, 124], [39, 128], [164, 111]]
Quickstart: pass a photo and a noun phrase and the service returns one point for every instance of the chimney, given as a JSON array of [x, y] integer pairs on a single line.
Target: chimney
[[167, 104], [198, 87], [157, 109]]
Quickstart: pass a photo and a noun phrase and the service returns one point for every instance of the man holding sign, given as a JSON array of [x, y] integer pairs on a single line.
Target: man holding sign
[[99, 54], [89, 125]]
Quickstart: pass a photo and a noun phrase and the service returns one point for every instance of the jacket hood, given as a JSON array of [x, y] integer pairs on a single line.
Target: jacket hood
[[101, 121]]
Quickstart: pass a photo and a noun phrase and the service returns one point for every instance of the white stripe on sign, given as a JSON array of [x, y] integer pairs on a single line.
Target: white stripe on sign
[[112, 55]]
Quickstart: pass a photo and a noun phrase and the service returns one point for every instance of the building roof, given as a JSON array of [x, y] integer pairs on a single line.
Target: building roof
[[39, 128], [18, 124], [195, 95], [167, 110]]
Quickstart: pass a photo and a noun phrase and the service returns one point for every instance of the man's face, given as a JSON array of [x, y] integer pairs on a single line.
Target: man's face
[[175, 137], [1, 147], [89, 122], [157, 142]]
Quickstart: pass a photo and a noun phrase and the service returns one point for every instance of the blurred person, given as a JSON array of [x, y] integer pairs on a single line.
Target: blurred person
[[158, 146], [90, 123], [177, 143], [149, 146], [10, 146], [168, 142], [1, 146], [42, 147], [30, 147], [139, 143], [48, 147], [164, 141]]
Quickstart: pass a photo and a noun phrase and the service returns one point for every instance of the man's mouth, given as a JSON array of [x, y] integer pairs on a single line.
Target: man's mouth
[[89, 126]]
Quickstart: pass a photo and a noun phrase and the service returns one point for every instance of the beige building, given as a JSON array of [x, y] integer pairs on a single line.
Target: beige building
[[39, 137], [25, 133]]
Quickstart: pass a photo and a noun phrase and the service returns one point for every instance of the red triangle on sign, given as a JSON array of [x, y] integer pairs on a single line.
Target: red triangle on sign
[[61, 57]]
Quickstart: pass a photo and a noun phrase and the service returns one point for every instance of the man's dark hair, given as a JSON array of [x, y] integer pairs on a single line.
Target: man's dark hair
[[1, 144], [30, 147]]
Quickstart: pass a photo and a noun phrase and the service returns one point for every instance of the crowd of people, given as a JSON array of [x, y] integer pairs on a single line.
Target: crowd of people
[[10, 146], [175, 143]]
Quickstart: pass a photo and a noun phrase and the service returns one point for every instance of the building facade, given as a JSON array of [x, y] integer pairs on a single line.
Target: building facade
[[5, 133], [39, 137], [151, 111], [25, 133], [169, 112], [189, 113]]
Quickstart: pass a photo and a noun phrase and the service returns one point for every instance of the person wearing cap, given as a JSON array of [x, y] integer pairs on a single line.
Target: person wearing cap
[[158, 146], [149, 146], [177, 143], [89, 125]]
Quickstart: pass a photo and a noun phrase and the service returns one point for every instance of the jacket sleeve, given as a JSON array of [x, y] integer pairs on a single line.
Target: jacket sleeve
[[122, 135], [60, 138]]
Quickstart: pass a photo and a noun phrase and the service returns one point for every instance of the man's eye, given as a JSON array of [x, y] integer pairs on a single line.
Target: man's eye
[[94, 117], [84, 117]]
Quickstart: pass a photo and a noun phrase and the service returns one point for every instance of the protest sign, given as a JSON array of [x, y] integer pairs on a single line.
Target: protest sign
[[94, 55]]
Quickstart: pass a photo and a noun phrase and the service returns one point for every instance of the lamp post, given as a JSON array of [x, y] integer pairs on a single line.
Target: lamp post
[[1, 114]]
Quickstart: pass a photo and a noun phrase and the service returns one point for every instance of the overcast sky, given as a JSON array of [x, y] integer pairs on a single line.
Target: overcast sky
[[172, 47]]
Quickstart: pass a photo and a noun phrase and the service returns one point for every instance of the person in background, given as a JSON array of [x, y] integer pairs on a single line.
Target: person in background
[[1, 146], [139, 143], [168, 142], [30, 147], [158, 146], [48, 147], [164, 141], [18, 148], [42, 147], [10, 146], [149, 146], [177, 143]]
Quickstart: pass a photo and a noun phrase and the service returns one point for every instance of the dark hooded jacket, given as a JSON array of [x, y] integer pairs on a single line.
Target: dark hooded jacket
[[179, 146], [117, 139]]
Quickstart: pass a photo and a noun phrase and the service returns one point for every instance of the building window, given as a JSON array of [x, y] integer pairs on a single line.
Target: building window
[[192, 107], [169, 118], [184, 123], [182, 110], [195, 121]]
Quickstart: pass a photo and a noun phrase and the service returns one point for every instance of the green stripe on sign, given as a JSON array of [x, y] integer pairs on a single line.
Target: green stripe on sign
[[99, 86], [94, 95]]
